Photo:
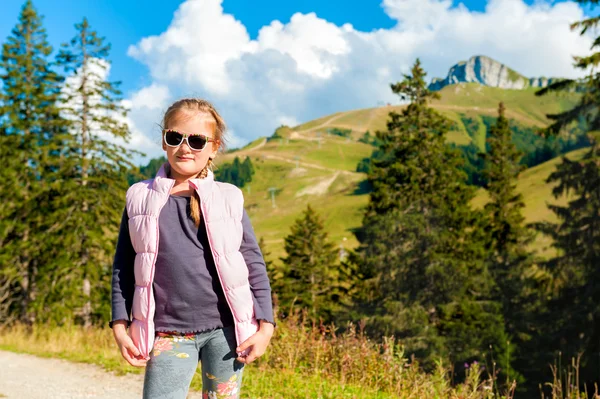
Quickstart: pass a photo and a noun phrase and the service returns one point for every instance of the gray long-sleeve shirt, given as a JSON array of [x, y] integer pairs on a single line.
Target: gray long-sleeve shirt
[[187, 290]]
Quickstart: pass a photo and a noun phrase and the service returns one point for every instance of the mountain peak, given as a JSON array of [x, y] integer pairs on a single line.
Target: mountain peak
[[488, 72]]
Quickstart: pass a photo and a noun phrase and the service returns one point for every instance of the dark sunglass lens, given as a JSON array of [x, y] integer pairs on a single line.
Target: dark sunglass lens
[[197, 142], [173, 138]]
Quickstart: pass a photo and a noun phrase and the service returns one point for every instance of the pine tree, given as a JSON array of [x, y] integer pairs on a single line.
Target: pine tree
[[420, 256], [505, 222], [235, 171], [30, 144], [311, 272], [247, 171], [506, 235], [95, 170], [575, 270]]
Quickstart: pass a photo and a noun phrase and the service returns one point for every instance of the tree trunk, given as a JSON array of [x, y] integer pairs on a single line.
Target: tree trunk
[[28, 287], [85, 138]]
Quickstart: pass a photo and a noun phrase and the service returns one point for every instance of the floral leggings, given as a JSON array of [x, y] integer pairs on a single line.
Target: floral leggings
[[174, 360]]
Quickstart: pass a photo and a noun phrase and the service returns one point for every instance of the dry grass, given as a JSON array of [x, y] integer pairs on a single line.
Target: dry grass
[[303, 360]]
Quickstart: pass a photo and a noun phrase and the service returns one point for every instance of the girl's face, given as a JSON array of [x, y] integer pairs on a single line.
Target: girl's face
[[185, 162]]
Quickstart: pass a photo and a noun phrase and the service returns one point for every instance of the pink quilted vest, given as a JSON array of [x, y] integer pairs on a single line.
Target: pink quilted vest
[[222, 207]]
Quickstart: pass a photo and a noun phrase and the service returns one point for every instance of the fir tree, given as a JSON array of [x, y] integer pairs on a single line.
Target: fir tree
[[417, 161], [247, 171], [95, 169], [506, 235], [504, 219], [29, 147], [575, 269], [422, 261], [311, 272]]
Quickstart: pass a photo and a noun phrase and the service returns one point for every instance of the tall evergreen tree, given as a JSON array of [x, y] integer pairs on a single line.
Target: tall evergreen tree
[[422, 263], [577, 234], [247, 170], [95, 170], [506, 234], [570, 321], [29, 145], [312, 277]]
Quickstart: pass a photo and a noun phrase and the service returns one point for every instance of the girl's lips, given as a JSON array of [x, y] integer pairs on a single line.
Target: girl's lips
[[185, 159]]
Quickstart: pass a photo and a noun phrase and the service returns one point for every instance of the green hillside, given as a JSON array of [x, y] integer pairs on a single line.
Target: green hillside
[[310, 165], [464, 98]]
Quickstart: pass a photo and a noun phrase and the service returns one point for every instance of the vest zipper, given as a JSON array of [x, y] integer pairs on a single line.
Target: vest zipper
[[154, 264], [237, 338]]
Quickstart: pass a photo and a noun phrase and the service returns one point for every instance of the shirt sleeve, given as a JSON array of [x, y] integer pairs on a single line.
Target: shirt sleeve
[[123, 277], [257, 273]]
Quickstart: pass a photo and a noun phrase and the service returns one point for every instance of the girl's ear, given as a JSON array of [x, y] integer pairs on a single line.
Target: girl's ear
[[215, 150]]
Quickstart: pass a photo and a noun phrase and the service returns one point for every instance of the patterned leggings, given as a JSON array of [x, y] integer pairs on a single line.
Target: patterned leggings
[[174, 360]]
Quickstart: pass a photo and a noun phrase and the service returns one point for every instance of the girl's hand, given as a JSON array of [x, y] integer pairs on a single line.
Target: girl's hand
[[126, 346], [258, 342]]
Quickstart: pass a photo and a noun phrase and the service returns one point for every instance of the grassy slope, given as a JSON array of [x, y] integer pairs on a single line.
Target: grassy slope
[[327, 170], [326, 176]]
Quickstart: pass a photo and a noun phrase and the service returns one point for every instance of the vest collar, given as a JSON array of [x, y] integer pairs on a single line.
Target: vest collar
[[164, 184]]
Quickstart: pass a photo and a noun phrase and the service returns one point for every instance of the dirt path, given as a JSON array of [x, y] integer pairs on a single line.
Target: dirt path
[[327, 122], [260, 145], [31, 377], [320, 188]]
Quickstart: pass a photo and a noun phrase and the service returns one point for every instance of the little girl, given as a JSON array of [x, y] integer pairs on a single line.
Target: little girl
[[188, 268]]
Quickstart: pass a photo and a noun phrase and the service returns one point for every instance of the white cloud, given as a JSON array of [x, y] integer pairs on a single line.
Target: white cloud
[[153, 97], [312, 42], [309, 67], [195, 47]]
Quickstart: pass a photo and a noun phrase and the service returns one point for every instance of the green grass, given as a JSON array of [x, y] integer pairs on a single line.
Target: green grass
[[303, 360]]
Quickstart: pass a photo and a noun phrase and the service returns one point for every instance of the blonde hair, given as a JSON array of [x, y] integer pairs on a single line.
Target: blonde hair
[[193, 106]]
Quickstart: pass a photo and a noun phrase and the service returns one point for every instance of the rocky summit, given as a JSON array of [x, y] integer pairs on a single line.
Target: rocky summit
[[488, 72]]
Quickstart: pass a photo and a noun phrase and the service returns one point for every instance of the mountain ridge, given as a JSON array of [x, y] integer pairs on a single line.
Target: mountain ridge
[[488, 72]]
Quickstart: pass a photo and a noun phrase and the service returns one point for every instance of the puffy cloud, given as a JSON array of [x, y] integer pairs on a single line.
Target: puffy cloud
[[309, 67], [153, 97], [195, 47], [313, 43]]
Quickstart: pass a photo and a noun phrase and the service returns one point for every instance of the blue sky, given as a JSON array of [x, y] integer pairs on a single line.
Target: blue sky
[[312, 57], [124, 23]]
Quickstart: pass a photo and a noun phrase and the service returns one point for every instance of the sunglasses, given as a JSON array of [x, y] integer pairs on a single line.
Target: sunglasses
[[196, 142]]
